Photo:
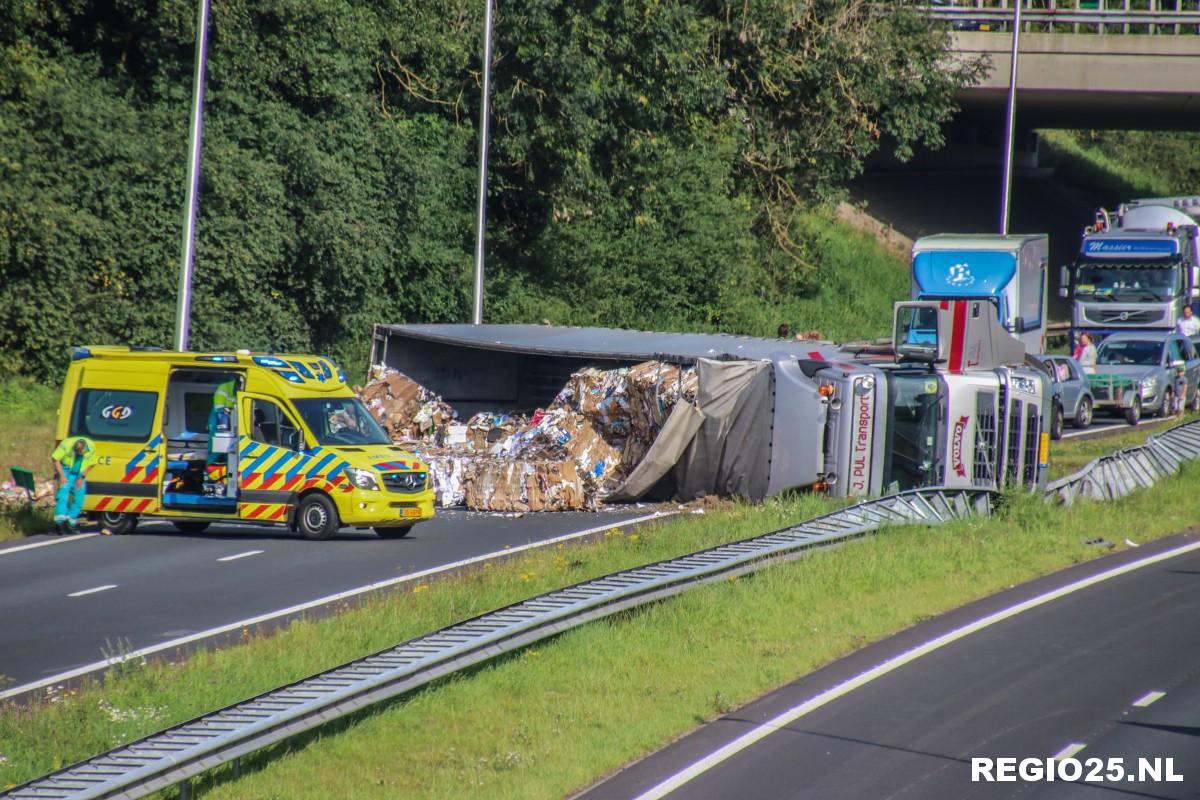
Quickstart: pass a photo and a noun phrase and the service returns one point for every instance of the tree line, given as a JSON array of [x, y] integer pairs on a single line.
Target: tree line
[[648, 159]]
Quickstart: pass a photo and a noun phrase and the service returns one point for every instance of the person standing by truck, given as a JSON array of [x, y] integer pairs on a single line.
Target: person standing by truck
[[73, 460], [1189, 324], [1085, 353]]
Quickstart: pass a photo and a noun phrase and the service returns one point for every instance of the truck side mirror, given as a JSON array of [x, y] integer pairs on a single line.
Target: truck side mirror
[[1064, 277], [1062, 292], [1196, 291], [1019, 325]]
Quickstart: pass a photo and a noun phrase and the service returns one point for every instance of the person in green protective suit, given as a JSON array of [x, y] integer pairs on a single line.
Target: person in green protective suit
[[220, 419], [73, 460]]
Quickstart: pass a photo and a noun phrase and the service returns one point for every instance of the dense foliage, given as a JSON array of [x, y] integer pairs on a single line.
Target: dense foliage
[[648, 157]]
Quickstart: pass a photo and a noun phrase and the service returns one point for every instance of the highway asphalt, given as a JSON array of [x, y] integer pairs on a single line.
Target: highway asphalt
[[1099, 660], [70, 603]]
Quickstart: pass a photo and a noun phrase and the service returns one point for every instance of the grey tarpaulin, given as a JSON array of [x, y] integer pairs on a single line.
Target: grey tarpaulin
[[722, 445]]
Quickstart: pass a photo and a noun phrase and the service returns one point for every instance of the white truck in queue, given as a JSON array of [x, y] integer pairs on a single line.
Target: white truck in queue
[[1137, 270], [949, 402]]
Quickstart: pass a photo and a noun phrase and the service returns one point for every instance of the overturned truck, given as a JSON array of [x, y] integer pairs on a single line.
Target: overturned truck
[[951, 401]]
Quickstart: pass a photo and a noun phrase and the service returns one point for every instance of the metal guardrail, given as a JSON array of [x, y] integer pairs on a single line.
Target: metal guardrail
[[1071, 16], [157, 761], [1114, 476]]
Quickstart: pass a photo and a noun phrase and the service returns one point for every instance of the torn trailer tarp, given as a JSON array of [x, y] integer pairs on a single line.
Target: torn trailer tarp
[[756, 431]]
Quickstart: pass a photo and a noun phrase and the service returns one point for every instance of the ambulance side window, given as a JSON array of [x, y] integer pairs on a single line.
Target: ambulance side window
[[113, 415], [269, 425]]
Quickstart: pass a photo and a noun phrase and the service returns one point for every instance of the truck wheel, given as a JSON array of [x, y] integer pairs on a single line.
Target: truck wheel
[[1083, 417], [1134, 412], [1056, 422], [317, 518], [189, 526], [1168, 401], [116, 523], [393, 533]]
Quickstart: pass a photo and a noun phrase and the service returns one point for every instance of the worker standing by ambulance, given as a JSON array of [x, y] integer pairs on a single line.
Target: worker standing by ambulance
[[73, 460]]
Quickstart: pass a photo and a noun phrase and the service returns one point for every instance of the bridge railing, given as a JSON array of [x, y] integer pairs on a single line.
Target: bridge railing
[[1132, 17]]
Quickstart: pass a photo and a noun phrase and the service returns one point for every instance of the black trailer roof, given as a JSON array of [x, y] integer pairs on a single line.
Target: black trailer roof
[[611, 343]]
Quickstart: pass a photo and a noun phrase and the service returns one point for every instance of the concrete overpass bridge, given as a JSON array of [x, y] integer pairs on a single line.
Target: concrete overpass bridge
[[1109, 66]]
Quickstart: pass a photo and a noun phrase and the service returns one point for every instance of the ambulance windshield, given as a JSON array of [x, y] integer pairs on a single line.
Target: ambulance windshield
[[340, 421]]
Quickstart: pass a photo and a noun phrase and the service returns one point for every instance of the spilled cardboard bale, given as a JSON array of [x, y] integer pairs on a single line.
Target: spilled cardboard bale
[[568, 456]]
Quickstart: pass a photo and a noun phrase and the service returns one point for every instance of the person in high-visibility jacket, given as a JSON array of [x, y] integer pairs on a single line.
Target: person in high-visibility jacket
[[220, 419], [73, 460]]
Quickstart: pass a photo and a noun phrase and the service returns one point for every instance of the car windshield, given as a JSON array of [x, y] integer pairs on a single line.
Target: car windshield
[[1098, 282], [1131, 351], [340, 421]]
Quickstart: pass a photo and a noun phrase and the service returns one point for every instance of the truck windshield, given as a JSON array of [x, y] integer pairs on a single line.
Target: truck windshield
[[911, 459], [1139, 352], [340, 421], [1127, 284]]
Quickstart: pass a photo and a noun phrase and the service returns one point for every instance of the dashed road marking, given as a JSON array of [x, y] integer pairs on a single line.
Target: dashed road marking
[[47, 543], [93, 590], [1070, 751], [1148, 698], [240, 555]]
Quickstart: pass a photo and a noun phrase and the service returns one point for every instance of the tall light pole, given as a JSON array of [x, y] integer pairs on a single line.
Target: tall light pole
[[1006, 187], [183, 306], [485, 114]]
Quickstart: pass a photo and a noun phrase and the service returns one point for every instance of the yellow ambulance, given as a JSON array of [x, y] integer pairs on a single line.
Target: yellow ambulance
[[198, 438]]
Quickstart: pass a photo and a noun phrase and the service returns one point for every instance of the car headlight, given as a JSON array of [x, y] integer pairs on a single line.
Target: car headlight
[[1149, 384], [362, 479]]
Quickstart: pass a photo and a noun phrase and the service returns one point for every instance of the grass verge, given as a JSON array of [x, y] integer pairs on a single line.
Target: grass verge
[[556, 716], [1069, 455], [1108, 179], [27, 415]]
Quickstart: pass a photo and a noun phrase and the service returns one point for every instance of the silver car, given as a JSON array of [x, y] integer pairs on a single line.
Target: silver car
[[1137, 373], [1070, 393]]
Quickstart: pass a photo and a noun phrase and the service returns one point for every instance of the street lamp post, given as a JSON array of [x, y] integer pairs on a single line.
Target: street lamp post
[[184, 301], [1010, 117], [484, 122]]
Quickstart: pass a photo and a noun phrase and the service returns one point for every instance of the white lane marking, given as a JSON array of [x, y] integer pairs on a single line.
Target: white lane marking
[[333, 598], [1070, 751], [240, 555], [47, 543], [791, 715], [1148, 698], [103, 588]]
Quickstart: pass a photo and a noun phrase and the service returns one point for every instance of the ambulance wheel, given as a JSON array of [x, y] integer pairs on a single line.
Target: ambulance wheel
[[187, 526], [1056, 422], [393, 533], [1134, 412], [317, 518], [116, 523], [1083, 417]]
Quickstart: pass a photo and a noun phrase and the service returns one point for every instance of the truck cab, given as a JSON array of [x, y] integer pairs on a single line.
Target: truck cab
[[955, 407], [1136, 272], [197, 438], [1009, 271]]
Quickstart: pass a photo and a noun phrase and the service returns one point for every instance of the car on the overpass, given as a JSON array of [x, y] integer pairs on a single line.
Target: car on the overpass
[[1137, 373], [1071, 396]]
